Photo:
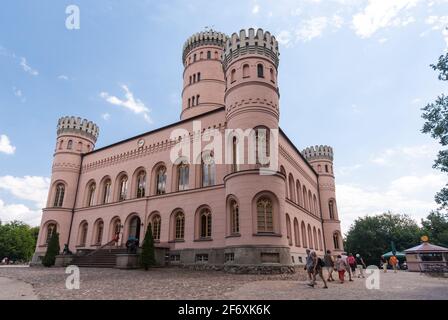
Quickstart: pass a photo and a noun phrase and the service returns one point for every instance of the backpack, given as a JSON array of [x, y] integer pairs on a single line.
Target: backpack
[[320, 262], [351, 260]]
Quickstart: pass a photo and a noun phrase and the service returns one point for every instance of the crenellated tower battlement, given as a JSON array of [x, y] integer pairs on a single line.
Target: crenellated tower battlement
[[204, 38], [251, 42], [318, 153], [76, 125]]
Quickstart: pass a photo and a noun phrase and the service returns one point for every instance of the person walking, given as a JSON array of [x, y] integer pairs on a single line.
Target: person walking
[[352, 265], [383, 262], [318, 264], [309, 266], [329, 265], [344, 257], [360, 265], [393, 262], [341, 267]]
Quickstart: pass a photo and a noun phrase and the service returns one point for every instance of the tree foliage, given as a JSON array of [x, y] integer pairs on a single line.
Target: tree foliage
[[435, 226], [371, 236], [436, 124], [53, 250], [17, 241], [148, 254]]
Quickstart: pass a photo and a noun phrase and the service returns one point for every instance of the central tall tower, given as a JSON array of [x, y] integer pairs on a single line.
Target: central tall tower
[[204, 84]]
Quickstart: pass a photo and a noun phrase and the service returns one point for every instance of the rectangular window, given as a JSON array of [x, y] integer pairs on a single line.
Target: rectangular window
[[202, 258], [230, 257], [175, 258]]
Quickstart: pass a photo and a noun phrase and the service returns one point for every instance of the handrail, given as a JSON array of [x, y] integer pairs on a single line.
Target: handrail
[[100, 248]]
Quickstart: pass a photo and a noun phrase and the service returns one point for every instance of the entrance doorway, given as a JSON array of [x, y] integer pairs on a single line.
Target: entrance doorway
[[134, 228]]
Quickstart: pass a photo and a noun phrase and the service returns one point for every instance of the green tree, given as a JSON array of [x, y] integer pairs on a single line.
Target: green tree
[[16, 241], [435, 226], [436, 124], [371, 236], [148, 255], [52, 250]]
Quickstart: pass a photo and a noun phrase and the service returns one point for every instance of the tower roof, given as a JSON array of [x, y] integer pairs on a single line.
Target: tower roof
[[318, 153], [76, 125], [202, 38], [251, 42]]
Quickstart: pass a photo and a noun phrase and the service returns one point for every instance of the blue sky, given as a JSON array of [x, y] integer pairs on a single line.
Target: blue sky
[[353, 75]]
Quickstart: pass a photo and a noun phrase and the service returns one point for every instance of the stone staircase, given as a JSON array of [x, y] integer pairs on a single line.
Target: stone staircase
[[102, 258]]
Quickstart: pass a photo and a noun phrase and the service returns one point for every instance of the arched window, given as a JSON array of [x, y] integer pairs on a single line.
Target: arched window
[[156, 223], [304, 193], [80, 146], [208, 170], [206, 223], [183, 173], [265, 215], [299, 192], [194, 57], [288, 230], [189, 102], [161, 180], [179, 230], [234, 217], [70, 145], [246, 71], [232, 76], [234, 154], [319, 235], [260, 71], [51, 229], [326, 168], [192, 101], [209, 55], [283, 172], [61, 144], [319, 168], [91, 194], [310, 237], [272, 74], [83, 234], [316, 207], [59, 195], [216, 55], [99, 232], [199, 76], [107, 191], [310, 201], [292, 193], [123, 188], [201, 56], [316, 244], [296, 233], [305, 245], [134, 227], [262, 147], [336, 241], [331, 209], [194, 78], [190, 79], [141, 184], [197, 100]]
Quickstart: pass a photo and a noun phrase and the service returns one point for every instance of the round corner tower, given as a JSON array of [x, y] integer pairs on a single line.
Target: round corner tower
[[203, 77], [321, 159], [250, 63], [75, 137]]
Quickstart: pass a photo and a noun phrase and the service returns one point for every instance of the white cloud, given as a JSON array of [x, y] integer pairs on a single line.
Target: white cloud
[[63, 77], [439, 23], [131, 103], [396, 156], [256, 9], [30, 188], [105, 116], [5, 145], [312, 28], [27, 68], [11, 212], [19, 94], [284, 38], [413, 195], [381, 14]]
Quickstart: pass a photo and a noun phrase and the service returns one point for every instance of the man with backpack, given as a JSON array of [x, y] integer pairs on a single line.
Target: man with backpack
[[318, 264], [344, 257]]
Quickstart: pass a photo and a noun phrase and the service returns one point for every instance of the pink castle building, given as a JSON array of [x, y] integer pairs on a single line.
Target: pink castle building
[[201, 210]]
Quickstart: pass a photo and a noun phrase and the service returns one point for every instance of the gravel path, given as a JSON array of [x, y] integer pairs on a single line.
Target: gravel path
[[12, 289], [175, 283]]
